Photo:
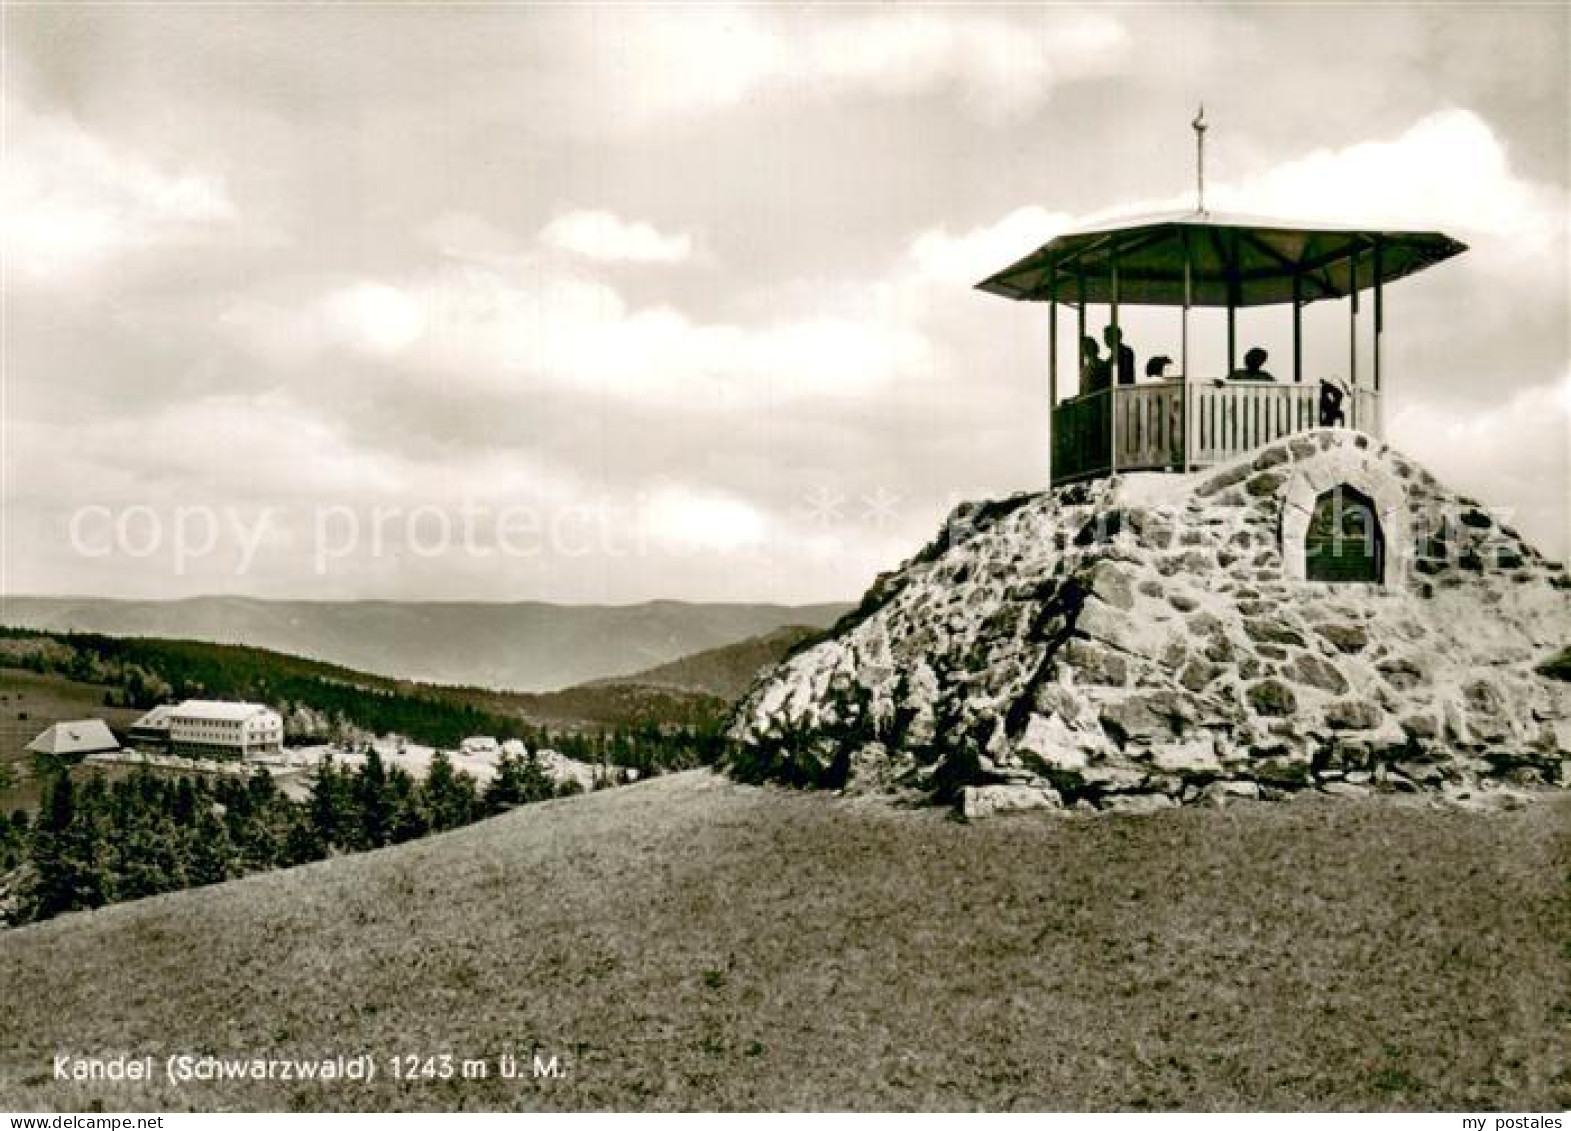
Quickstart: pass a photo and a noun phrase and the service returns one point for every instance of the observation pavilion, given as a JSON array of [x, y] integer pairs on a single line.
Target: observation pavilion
[[1191, 420]]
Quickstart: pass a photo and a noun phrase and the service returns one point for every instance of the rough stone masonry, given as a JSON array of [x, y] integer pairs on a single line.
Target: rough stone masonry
[[1148, 640]]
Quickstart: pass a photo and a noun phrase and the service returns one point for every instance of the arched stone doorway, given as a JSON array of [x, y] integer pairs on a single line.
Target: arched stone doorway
[[1344, 541], [1370, 494]]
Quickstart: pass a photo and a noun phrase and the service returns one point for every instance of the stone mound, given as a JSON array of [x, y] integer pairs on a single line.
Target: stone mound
[[1147, 640]]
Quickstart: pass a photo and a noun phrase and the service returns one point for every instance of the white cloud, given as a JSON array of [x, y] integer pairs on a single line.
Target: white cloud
[[269, 446], [607, 238], [212, 457], [69, 200], [276, 449], [376, 317], [1448, 171], [968, 258], [479, 329], [704, 520], [998, 67], [273, 465], [473, 239], [1001, 66], [1514, 449]]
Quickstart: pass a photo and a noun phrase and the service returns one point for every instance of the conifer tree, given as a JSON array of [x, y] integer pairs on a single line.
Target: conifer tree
[[450, 796], [65, 851], [211, 855], [332, 809], [373, 804], [409, 818]]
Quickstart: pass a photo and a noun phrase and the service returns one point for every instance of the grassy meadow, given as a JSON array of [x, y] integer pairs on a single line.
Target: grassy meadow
[[690, 942]]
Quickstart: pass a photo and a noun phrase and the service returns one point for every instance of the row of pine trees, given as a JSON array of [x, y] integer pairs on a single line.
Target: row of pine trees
[[97, 841]]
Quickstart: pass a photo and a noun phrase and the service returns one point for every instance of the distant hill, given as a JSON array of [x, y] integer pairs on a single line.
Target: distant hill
[[690, 943], [725, 672], [693, 690], [143, 669], [526, 646]]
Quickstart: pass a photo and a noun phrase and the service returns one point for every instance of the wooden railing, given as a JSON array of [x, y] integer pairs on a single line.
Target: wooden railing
[[1150, 426], [1143, 426], [1236, 417], [1082, 437]]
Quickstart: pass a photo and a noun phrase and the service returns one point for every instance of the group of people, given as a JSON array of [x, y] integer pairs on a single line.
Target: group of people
[[1096, 371]]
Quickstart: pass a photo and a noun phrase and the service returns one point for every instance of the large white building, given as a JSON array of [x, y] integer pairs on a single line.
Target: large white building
[[206, 728]]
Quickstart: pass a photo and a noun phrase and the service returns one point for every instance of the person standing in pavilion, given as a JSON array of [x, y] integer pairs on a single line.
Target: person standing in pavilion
[[1124, 365]]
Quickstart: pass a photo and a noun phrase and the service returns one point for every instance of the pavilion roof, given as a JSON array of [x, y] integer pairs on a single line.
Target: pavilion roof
[[1249, 260]]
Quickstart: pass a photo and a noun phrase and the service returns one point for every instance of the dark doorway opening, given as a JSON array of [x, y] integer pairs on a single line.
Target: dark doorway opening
[[1344, 542]]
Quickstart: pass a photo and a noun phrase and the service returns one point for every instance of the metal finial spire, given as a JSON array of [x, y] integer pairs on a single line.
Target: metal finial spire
[[1199, 125]]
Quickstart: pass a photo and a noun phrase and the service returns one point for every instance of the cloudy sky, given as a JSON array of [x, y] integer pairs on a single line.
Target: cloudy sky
[[508, 302]]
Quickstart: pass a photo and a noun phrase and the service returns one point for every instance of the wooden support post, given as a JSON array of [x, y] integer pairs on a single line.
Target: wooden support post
[[1183, 326], [1112, 389], [1080, 329], [1298, 328], [1052, 380], [1232, 304], [1052, 354], [1380, 326], [1183, 355], [1113, 315], [1352, 325]]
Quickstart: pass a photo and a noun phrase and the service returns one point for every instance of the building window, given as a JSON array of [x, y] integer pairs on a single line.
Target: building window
[[1344, 542]]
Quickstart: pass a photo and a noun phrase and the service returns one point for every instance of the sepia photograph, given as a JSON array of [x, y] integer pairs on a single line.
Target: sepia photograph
[[784, 557]]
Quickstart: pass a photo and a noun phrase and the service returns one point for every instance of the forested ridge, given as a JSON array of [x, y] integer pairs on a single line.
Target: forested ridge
[[97, 839]]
